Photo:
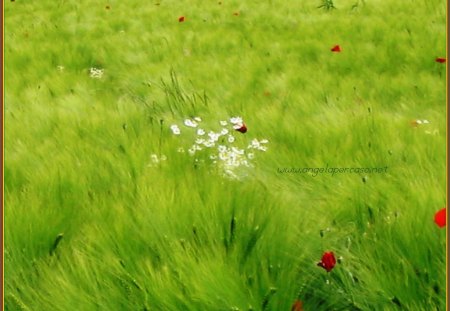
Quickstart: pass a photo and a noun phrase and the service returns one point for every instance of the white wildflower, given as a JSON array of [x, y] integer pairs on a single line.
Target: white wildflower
[[191, 151], [199, 141], [190, 123], [223, 156], [222, 148], [258, 145], [200, 132], [208, 144], [96, 73], [213, 136], [237, 151], [236, 120], [223, 123], [224, 131], [175, 129], [230, 138], [154, 158]]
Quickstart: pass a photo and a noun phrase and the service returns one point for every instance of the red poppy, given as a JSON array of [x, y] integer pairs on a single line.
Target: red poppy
[[441, 60], [297, 306], [181, 19], [328, 261], [242, 129], [336, 48], [440, 218]]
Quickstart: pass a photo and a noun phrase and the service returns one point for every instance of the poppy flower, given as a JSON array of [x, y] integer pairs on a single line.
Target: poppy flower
[[440, 218], [336, 48], [328, 261], [181, 19], [242, 129], [297, 306], [440, 60]]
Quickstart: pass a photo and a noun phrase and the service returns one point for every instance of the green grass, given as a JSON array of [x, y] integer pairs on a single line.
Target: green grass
[[180, 236]]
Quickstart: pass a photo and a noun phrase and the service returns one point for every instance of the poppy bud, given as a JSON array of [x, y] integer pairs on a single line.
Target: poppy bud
[[297, 306], [336, 48], [242, 129]]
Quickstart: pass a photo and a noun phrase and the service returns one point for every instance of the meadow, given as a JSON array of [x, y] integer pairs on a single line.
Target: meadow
[[130, 182]]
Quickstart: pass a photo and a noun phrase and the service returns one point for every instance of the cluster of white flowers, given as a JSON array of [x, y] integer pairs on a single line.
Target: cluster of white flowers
[[96, 73], [421, 121], [417, 123], [258, 144], [237, 122], [219, 144]]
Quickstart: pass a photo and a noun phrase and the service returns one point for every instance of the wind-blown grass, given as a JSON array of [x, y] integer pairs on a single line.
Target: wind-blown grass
[[92, 224]]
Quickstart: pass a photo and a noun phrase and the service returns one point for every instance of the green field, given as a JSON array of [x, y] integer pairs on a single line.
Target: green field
[[107, 208]]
